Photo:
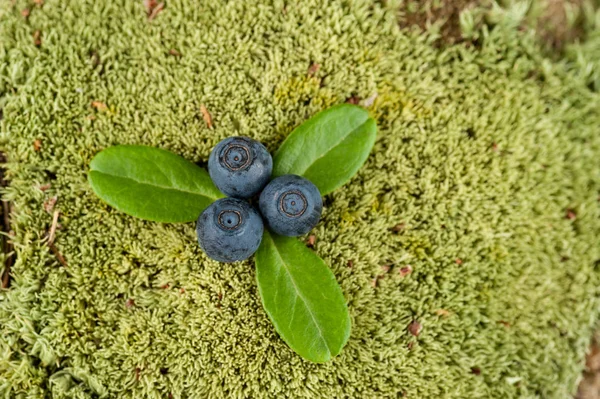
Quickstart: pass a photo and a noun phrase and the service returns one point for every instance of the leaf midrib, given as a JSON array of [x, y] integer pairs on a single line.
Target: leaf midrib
[[302, 298], [154, 185], [335, 145]]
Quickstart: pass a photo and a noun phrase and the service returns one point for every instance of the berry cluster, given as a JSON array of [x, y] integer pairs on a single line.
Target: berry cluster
[[231, 229]]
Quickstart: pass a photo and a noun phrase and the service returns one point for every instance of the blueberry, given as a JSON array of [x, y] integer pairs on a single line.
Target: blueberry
[[240, 167], [229, 230], [291, 205]]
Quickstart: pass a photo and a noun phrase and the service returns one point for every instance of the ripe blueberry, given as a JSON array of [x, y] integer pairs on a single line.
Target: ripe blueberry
[[229, 230], [291, 205], [240, 167]]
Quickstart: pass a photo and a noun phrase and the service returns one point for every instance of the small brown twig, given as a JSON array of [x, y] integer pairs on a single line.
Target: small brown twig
[[52, 237], [58, 255], [155, 11], [52, 234], [7, 247], [206, 116], [6, 214]]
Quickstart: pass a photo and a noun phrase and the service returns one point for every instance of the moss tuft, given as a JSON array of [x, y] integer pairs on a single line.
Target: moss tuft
[[480, 200]]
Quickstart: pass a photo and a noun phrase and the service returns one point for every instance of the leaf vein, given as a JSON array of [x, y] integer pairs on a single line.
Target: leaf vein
[[156, 185], [310, 311]]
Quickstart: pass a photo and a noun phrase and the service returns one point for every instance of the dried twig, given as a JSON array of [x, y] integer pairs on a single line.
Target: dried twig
[[7, 247], [367, 102], [52, 234], [155, 10], [6, 215], [206, 116], [58, 255]]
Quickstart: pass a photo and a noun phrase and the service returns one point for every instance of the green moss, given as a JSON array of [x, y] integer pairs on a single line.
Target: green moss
[[481, 153]]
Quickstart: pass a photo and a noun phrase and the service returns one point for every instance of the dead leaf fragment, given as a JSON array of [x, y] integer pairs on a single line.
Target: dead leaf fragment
[[415, 328], [313, 69], [592, 360], [174, 52], [353, 100], [367, 102], [130, 303], [405, 271], [458, 261], [350, 264], [100, 106], [442, 312], [476, 370], [149, 4], [45, 187], [571, 215], [206, 116], [25, 13], [312, 239], [156, 10], [37, 145], [39, 2]]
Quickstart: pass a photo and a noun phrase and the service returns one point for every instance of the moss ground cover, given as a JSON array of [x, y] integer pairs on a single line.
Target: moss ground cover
[[467, 246]]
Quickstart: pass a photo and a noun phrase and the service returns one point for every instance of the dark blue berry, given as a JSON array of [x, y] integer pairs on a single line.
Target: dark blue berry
[[291, 205], [229, 230], [240, 167]]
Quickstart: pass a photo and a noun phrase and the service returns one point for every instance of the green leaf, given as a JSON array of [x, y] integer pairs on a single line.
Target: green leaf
[[302, 298], [152, 184], [329, 148]]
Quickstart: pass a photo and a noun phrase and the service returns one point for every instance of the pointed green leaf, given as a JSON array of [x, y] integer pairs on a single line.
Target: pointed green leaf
[[302, 298], [152, 184], [329, 148]]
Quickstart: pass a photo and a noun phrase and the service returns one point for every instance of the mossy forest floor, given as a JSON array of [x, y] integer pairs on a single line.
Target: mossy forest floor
[[467, 246]]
